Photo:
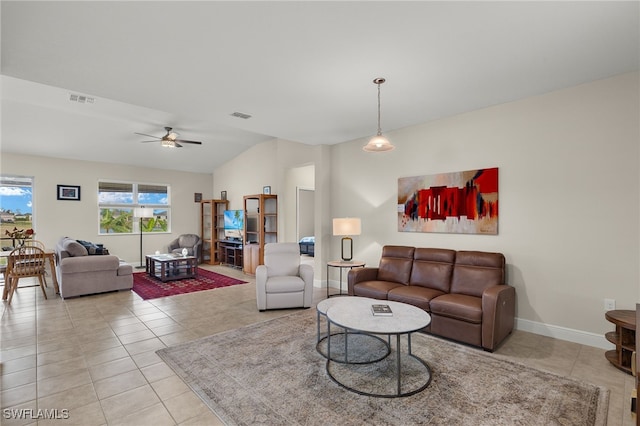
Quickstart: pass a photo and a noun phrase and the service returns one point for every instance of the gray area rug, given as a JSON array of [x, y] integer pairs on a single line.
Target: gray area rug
[[271, 373]]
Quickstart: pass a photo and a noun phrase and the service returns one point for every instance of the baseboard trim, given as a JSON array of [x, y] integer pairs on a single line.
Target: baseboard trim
[[563, 333]]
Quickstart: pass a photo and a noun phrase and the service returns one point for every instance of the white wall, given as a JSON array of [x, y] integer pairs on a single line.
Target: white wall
[[247, 174], [80, 219], [569, 196], [273, 163], [569, 227]]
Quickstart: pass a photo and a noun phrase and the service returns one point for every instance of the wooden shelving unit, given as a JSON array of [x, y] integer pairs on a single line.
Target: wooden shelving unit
[[212, 230], [260, 228], [624, 338]]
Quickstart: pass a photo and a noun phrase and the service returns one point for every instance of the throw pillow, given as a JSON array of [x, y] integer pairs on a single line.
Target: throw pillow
[[74, 248], [91, 248]]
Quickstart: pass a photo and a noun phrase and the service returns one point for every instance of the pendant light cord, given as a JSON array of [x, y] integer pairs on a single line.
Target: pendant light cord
[[379, 128]]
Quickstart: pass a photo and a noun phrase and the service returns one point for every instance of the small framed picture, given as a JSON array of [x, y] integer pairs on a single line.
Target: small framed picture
[[223, 195], [266, 190], [69, 192], [197, 197]]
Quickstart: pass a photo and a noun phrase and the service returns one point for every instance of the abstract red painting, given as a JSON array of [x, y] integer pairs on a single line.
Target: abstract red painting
[[460, 202]]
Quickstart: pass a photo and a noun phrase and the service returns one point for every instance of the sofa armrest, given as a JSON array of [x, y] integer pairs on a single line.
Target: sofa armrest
[[358, 275], [306, 273], [498, 314], [261, 287], [173, 245], [71, 265]]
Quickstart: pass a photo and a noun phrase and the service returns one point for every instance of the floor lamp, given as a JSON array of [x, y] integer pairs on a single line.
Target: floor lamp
[[142, 213], [346, 227]]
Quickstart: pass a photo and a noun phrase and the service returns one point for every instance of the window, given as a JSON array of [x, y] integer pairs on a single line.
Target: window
[[16, 208], [121, 203]]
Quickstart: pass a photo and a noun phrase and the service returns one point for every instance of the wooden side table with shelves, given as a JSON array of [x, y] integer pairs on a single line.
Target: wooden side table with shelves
[[624, 337]]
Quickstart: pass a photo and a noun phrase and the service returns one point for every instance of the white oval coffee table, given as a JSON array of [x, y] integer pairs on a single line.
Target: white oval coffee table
[[354, 314], [322, 340]]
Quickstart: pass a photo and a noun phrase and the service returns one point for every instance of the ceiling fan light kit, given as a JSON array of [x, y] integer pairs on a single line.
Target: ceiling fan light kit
[[169, 144], [170, 139], [378, 143]]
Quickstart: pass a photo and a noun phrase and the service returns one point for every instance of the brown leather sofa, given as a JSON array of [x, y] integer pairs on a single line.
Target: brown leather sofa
[[464, 291]]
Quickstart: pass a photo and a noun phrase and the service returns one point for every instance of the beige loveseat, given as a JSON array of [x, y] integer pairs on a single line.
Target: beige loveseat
[[79, 273], [464, 291]]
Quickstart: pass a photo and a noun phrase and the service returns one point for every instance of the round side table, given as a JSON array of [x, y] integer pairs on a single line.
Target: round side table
[[342, 264], [624, 338]]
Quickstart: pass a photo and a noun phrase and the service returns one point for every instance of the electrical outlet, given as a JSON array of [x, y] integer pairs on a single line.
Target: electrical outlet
[[609, 304]]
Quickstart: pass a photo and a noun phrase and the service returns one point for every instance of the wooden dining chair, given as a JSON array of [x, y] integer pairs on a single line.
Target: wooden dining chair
[[34, 243], [25, 262], [39, 244]]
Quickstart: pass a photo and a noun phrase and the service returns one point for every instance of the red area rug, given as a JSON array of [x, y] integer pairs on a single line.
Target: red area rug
[[151, 288]]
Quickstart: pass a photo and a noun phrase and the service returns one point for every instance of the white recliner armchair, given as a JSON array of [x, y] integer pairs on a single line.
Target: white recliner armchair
[[282, 282]]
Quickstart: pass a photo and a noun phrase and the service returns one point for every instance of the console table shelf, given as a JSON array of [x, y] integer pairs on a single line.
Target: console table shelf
[[232, 253], [624, 338]]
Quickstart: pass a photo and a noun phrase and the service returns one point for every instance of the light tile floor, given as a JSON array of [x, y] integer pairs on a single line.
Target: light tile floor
[[95, 356]]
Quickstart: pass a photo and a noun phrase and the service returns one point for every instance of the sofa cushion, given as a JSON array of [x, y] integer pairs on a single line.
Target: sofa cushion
[[178, 251], [395, 264], [474, 271], [188, 240], [82, 264], [375, 289], [414, 295], [458, 306], [433, 268], [74, 248], [283, 259], [284, 284]]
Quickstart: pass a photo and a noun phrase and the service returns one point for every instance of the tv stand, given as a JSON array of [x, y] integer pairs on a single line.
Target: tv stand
[[231, 253]]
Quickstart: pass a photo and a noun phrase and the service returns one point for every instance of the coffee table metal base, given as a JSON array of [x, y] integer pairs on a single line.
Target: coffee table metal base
[[376, 377], [398, 366], [321, 310]]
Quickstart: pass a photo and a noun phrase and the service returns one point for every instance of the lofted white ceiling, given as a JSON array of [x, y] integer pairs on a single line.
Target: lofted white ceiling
[[303, 70]]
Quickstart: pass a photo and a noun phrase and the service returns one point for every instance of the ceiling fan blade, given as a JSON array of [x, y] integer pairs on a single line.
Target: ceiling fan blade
[[177, 144], [149, 141], [193, 142], [144, 134]]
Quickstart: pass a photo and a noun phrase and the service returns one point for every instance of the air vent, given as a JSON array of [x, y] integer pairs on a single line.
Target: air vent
[[241, 115], [81, 99]]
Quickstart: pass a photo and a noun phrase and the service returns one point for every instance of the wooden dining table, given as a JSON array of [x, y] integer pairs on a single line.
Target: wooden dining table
[[48, 254]]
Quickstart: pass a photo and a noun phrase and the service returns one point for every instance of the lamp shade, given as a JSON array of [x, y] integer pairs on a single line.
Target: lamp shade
[[347, 226], [143, 212], [378, 143]]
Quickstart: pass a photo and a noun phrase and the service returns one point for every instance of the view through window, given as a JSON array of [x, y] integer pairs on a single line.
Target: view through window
[[121, 204], [16, 210]]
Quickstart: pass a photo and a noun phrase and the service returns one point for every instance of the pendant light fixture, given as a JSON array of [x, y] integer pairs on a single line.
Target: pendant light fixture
[[378, 143]]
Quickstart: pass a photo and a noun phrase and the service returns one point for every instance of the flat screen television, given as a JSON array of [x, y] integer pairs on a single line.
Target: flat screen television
[[233, 224]]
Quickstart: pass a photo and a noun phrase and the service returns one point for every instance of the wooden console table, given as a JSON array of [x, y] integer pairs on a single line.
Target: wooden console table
[[231, 253], [624, 338]]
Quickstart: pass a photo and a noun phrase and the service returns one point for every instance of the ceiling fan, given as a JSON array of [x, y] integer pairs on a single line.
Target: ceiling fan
[[170, 140]]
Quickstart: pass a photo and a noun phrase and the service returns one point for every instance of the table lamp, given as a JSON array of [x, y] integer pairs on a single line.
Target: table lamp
[[346, 227]]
